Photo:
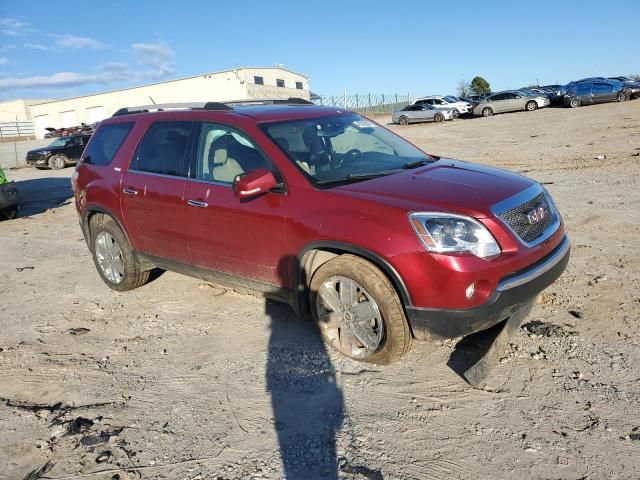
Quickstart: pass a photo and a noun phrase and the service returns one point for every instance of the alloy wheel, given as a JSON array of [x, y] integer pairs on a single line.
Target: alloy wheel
[[109, 257]]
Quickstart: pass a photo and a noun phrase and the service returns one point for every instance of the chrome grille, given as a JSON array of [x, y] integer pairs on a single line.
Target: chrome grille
[[517, 218]]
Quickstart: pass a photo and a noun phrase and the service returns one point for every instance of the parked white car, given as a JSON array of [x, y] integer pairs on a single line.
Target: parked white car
[[448, 101]]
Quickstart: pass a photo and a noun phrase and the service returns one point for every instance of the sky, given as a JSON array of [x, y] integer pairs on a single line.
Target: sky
[[417, 47]]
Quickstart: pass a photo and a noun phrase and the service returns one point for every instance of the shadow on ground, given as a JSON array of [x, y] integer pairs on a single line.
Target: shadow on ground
[[40, 194]]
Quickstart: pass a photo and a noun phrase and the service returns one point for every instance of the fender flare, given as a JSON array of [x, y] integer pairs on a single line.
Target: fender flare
[[298, 301], [84, 224]]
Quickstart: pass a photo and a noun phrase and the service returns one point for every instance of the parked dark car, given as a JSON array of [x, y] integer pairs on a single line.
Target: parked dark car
[[380, 242], [8, 198], [599, 91], [61, 152]]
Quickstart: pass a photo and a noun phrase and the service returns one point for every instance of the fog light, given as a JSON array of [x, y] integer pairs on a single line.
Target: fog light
[[470, 290]]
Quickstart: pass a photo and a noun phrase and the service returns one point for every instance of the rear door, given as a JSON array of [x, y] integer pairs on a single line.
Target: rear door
[[497, 102], [152, 191], [244, 238]]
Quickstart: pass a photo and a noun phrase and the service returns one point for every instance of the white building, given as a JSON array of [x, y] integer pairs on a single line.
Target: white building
[[18, 110], [236, 84]]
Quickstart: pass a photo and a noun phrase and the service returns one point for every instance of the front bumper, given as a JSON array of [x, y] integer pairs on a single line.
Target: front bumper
[[38, 161], [511, 295]]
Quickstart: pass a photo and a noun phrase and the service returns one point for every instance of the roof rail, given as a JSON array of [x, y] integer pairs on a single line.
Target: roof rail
[[219, 106], [172, 106]]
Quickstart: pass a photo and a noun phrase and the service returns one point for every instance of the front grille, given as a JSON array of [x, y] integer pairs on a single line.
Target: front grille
[[34, 156], [517, 218]]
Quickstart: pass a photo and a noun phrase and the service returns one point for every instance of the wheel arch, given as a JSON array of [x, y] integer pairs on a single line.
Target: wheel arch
[[89, 212], [315, 254]]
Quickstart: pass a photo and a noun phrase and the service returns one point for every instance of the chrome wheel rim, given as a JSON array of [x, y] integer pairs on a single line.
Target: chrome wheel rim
[[486, 112], [109, 257], [58, 163], [349, 317], [531, 106]]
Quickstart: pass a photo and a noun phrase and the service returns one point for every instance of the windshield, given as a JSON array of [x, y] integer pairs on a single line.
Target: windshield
[[451, 99], [58, 142], [343, 148]]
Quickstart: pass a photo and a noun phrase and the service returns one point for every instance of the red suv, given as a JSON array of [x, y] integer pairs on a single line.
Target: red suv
[[320, 208]]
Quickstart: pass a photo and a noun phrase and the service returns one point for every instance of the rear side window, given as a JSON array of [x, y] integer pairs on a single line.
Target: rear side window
[[106, 142], [164, 148]]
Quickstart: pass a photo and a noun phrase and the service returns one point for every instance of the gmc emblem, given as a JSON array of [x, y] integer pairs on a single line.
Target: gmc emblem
[[536, 215]]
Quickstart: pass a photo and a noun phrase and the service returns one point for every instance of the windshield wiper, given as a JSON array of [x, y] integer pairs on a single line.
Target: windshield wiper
[[358, 176], [415, 164]]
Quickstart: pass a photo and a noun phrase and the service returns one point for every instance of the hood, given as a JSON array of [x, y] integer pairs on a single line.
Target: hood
[[445, 185], [44, 149]]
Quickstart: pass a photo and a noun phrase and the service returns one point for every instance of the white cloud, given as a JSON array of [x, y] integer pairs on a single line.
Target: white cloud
[[15, 27], [4, 60], [58, 80], [73, 41], [159, 56], [39, 46]]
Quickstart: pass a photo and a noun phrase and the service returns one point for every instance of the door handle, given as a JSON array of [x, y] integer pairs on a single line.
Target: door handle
[[129, 191], [197, 203]]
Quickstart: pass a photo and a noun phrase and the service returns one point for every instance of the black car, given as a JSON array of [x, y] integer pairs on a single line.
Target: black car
[[61, 152], [632, 84]]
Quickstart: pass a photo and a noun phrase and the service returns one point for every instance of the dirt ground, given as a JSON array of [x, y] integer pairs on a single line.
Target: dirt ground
[[185, 380]]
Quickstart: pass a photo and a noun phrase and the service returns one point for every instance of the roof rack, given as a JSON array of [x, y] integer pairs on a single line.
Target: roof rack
[[214, 106]]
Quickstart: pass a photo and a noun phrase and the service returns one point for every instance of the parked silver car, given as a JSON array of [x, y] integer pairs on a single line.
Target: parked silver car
[[423, 113], [509, 101]]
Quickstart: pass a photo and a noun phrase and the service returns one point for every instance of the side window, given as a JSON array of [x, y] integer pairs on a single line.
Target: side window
[[164, 148], [106, 142], [224, 153]]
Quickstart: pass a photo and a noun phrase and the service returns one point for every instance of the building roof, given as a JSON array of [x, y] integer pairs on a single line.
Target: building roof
[[173, 80]]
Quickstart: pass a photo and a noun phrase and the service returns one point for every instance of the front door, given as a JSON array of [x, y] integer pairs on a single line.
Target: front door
[[244, 238], [153, 189]]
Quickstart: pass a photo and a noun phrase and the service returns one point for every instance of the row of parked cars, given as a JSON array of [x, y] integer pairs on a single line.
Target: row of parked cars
[[586, 91]]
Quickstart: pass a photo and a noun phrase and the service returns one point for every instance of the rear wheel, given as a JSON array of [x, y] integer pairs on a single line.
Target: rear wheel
[[403, 120], [531, 106], [113, 256], [358, 311], [9, 213], [438, 117], [487, 112], [574, 103], [622, 96], [58, 162]]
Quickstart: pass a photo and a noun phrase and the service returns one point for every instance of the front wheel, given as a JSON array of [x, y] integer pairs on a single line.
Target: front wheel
[[438, 118], [531, 106], [403, 120], [58, 162], [487, 112], [622, 96], [113, 256], [574, 103], [358, 311]]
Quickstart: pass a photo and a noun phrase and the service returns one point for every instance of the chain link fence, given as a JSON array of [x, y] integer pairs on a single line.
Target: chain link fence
[[368, 103]]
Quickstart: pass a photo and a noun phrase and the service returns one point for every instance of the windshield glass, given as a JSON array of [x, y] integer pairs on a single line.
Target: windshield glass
[[343, 148], [451, 99], [58, 142]]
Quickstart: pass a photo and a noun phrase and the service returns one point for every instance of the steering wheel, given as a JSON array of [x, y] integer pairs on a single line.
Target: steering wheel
[[352, 154]]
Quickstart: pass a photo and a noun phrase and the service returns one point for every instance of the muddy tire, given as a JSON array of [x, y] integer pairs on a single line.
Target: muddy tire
[[358, 311], [531, 106], [403, 120], [57, 162], [438, 118], [487, 112], [113, 256]]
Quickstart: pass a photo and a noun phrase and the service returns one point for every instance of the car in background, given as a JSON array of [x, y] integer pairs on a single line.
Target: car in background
[[509, 101], [445, 102], [599, 91], [632, 84], [61, 152], [423, 113], [476, 98], [9, 200]]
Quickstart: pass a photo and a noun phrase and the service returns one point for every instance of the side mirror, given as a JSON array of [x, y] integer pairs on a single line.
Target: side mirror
[[254, 183]]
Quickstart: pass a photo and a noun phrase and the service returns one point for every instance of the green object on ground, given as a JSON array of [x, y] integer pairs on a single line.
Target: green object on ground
[[3, 179]]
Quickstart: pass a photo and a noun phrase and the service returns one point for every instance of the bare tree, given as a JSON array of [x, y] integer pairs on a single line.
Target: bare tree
[[463, 88]]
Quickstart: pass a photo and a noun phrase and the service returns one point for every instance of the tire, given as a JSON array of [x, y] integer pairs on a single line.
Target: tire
[[438, 117], [103, 228], [9, 213], [531, 106], [622, 96], [574, 103], [57, 162], [487, 112], [383, 322], [403, 120], [456, 113]]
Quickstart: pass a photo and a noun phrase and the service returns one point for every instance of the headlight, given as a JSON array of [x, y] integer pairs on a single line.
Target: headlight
[[449, 233]]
